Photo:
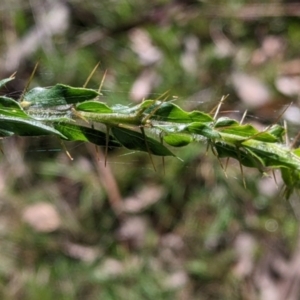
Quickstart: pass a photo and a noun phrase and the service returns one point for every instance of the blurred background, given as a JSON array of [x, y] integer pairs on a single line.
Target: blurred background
[[80, 230]]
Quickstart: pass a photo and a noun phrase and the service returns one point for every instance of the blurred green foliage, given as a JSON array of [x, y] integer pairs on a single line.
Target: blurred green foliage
[[183, 244]]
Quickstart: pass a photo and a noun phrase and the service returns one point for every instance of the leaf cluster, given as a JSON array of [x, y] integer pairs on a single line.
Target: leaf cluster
[[76, 114]]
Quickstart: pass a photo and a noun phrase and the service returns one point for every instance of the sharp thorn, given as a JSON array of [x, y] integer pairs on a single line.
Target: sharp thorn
[[91, 75]]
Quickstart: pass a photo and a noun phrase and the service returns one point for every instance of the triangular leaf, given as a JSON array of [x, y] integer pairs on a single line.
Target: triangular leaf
[[225, 121], [57, 95], [178, 140], [169, 112], [94, 106], [247, 131]]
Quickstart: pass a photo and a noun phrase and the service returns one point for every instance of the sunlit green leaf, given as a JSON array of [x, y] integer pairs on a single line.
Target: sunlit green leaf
[[170, 112], [94, 106], [178, 140], [57, 95], [224, 122], [247, 131]]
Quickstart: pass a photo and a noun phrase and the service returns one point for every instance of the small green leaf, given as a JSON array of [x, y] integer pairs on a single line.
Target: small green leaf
[[94, 106], [169, 112], [136, 141], [178, 140], [225, 121], [4, 81], [247, 131], [57, 95]]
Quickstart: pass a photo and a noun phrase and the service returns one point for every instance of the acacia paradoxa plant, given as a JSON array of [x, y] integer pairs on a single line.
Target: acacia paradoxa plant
[[76, 114]]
